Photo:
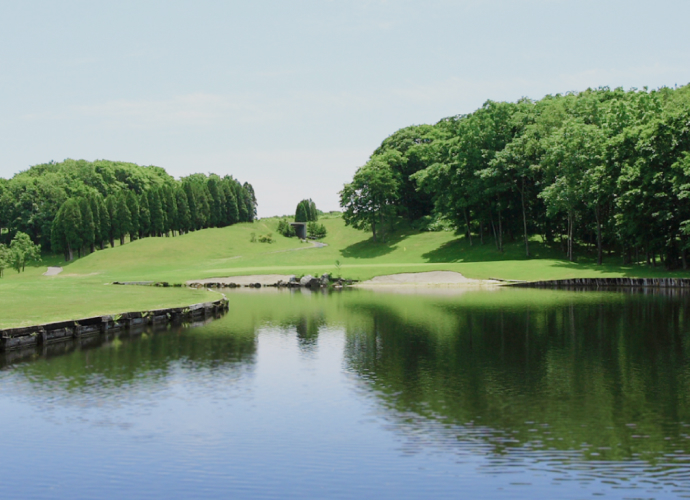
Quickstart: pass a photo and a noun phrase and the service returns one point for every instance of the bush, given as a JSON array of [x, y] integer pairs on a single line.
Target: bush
[[316, 231], [266, 238], [286, 229]]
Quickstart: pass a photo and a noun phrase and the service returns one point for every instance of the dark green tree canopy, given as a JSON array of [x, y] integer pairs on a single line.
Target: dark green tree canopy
[[605, 166], [115, 200]]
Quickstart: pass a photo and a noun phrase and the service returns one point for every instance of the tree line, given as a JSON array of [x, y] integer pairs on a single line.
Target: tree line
[[604, 169], [79, 206]]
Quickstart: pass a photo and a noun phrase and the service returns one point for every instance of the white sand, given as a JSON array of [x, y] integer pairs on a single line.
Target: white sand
[[52, 271], [264, 279], [430, 278]]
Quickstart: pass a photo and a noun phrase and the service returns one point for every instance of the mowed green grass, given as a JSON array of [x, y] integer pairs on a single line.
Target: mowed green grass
[[229, 252], [82, 289]]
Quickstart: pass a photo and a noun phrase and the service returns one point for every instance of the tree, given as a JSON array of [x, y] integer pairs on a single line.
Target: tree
[[65, 233], [171, 221], [88, 228], [115, 227], [183, 217], [231, 211], [368, 199], [572, 152], [144, 216], [301, 213], [5, 258], [133, 206], [23, 251], [157, 216], [104, 227], [124, 218]]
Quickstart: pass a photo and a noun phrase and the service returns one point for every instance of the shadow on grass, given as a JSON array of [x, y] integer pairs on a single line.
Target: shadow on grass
[[368, 249], [460, 250]]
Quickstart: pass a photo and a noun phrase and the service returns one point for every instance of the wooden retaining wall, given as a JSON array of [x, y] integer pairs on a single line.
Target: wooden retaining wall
[[16, 338], [609, 282]]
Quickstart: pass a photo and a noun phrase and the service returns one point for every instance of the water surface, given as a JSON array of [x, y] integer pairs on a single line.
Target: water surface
[[491, 394]]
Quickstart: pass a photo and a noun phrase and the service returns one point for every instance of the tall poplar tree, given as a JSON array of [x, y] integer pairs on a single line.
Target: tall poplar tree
[[157, 216], [124, 217], [133, 206], [87, 228], [114, 228], [183, 217], [144, 216]]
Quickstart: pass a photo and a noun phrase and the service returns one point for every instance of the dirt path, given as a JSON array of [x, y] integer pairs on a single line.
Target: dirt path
[[53, 271]]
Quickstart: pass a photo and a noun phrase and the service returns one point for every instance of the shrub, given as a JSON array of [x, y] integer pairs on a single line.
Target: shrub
[[266, 238], [286, 229], [316, 231]]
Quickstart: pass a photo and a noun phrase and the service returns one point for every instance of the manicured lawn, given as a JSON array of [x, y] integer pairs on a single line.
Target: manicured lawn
[[81, 290]]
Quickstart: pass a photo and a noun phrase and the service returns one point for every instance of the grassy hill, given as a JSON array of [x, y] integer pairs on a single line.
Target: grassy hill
[[82, 289]]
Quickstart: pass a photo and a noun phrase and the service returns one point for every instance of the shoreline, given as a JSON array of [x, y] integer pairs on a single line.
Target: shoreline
[[62, 331]]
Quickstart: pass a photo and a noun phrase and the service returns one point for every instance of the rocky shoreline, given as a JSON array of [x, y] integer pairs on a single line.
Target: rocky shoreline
[[308, 281], [62, 331]]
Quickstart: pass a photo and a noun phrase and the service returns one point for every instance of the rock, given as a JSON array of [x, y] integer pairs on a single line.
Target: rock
[[292, 279], [306, 280], [325, 279]]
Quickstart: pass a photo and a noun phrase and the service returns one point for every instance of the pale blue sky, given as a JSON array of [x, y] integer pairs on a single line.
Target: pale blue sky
[[293, 96]]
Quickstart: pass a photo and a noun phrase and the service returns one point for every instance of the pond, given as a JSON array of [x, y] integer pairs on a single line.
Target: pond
[[292, 394]]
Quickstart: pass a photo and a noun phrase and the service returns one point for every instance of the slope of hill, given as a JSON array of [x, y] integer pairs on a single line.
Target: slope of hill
[[81, 289]]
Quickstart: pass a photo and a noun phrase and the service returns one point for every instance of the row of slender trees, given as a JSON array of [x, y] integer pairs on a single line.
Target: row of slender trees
[[83, 224], [112, 200], [602, 169]]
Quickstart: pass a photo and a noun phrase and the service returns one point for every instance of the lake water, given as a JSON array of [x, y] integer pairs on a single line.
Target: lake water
[[362, 394]]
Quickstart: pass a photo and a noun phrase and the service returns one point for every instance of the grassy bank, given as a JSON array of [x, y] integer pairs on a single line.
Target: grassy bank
[[81, 289], [229, 251]]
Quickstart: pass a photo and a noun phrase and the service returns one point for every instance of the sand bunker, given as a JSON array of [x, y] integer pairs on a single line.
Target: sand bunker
[[52, 271], [264, 279], [427, 279]]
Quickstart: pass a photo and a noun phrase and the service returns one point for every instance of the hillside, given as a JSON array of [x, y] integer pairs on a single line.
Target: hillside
[[82, 289], [229, 251]]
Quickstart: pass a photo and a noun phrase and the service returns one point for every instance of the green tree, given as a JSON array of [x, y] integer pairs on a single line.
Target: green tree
[[132, 202], [302, 212], [23, 251], [369, 199], [5, 258], [124, 217], [144, 216], [171, 222], [157, 215], [88, 228], [184, 220], [115, 227], [65, 233], [231, 211]]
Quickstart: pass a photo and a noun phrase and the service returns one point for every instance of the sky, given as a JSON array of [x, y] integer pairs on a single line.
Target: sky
[[294, 96]]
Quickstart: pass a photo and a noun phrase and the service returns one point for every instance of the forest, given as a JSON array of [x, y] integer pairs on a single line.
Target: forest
[[603, 171], [76, 207]]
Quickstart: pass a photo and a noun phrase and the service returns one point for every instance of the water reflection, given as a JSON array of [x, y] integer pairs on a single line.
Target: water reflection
[[586, 387], [592, 388]]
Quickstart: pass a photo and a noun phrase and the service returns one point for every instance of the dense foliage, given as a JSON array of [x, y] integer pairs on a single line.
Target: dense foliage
[[606, 169], [20, 252], [306, 211], [286, 229], [316, 231], [78, 206]]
